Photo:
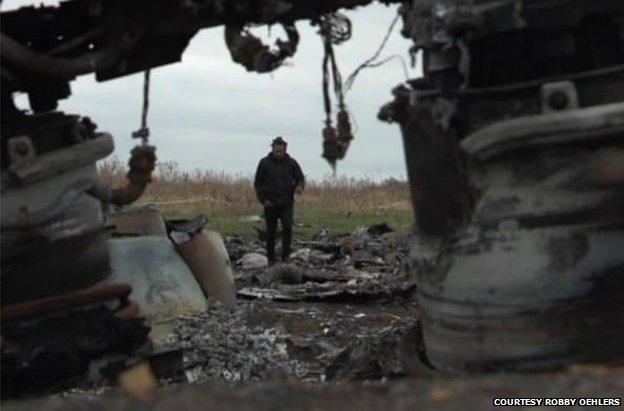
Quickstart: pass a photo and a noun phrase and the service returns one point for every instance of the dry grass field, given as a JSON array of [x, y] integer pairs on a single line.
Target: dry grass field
[[340, 205]]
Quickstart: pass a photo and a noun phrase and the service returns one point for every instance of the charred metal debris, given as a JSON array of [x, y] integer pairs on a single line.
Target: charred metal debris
[[521, 103], [334, 29], [54, 205], [255, 56], [343, 309], [514, 153], [256, 340], [365, 266]]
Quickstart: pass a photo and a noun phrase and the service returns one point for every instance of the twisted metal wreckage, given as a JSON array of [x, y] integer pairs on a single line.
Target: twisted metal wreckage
[[513, 142]]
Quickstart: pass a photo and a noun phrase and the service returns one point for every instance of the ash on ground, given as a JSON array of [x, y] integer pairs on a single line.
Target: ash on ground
[[341, 309], [221, 345]]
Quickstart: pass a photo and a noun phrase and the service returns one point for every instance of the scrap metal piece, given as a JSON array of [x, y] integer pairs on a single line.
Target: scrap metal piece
[[541, 208], [559, 96], [21, 149], [41, 268], [59, 161], [182, 230], [208, 259], [360, 289], [162, 283], [517, 248], [66, 301], [49, 343], [136, 222], [249, 51]]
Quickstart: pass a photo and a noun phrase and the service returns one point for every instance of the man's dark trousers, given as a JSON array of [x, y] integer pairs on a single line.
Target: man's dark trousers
[[285, 215]]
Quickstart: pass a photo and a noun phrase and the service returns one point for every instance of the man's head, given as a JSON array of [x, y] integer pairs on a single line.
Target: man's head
[[278, 147]]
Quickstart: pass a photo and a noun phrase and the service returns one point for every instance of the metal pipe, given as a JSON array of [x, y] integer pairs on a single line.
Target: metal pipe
[[67, 301]]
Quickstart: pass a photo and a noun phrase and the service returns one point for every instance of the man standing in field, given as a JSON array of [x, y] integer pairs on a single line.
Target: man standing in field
[[278, 178]]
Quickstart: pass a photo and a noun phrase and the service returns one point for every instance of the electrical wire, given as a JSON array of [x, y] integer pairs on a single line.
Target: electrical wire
[[369, 62]]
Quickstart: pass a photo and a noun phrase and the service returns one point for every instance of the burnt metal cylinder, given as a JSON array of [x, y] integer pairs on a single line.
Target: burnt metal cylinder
[[207, 257], [536, 279], [520, 221]]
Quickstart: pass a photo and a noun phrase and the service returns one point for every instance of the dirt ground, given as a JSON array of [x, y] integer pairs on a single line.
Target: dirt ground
[[429, 391], [335, 329], [371, 380]]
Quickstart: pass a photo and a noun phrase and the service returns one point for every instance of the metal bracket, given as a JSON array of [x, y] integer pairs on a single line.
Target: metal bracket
[[21, 148], [559, 96]]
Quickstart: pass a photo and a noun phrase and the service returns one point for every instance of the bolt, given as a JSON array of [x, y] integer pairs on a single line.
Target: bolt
[[21, 148], [558, 100]]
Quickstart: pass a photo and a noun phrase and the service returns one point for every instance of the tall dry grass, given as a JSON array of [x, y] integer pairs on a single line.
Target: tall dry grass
[[182, 192]]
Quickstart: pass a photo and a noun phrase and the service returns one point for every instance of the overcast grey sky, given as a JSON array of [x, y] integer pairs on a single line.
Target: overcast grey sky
[[209, 113]]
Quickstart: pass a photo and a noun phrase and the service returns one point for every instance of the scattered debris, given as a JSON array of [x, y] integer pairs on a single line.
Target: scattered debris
[[251, 219], [253, 260], [302, 320], [375, 357], [362, 266], [286, 274], [260, 339], [219, 345], [379, 229], [364, 257], [275, 330], [302, 255], [349, 292], [181, 231]]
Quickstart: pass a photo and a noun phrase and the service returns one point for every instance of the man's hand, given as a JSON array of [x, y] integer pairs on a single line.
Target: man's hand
[[268, 203], [298, 189]]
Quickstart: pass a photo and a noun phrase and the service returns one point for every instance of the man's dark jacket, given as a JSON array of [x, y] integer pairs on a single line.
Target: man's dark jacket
[[276, 180]]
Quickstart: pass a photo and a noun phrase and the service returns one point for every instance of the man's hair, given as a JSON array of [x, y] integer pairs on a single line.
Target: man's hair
[[278, 140]]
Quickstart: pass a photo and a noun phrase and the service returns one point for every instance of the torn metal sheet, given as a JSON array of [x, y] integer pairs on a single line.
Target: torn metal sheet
[[350, 291], [248, 50], [162, 283]]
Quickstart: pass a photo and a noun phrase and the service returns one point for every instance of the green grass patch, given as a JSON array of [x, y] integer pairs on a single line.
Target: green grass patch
[[307, 223]]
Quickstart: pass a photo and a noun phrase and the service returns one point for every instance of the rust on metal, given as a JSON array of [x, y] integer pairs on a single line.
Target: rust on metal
[[67, 301]]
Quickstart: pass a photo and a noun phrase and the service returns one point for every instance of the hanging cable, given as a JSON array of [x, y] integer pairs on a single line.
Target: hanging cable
[[142, 157], [330, 146], [146, 87], [390, 58], [334, 29], [143, 132], [141, 163], [326, 96], [370, 61]]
